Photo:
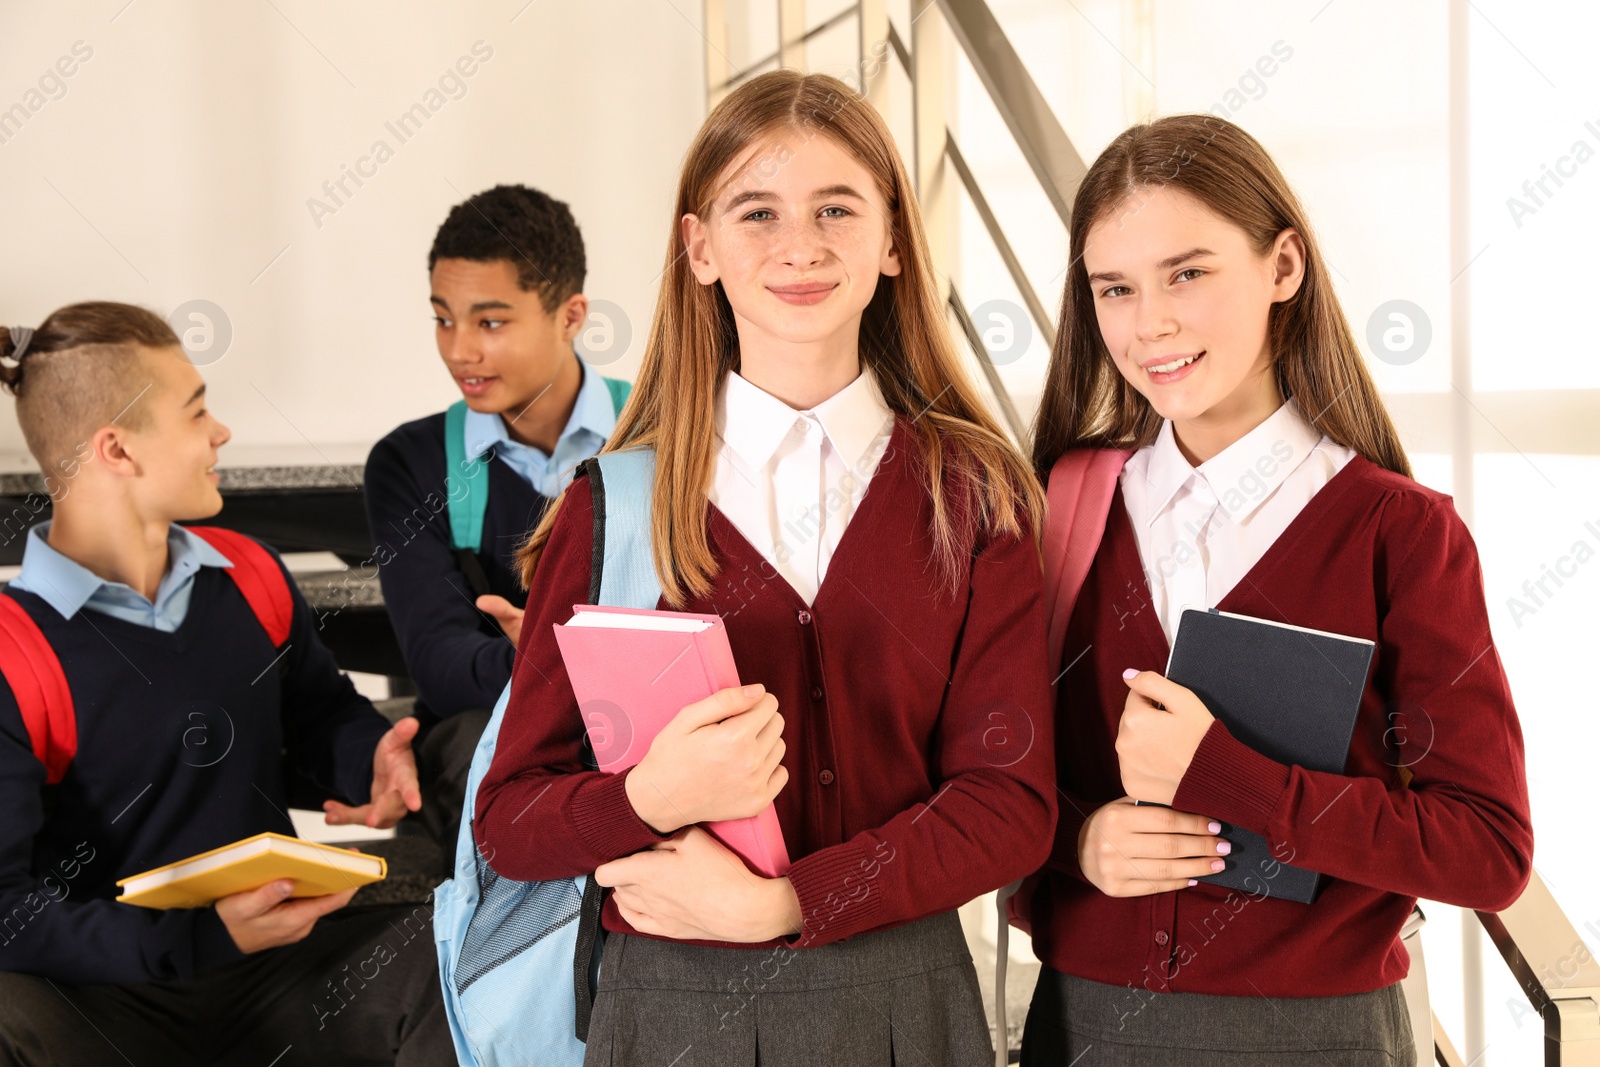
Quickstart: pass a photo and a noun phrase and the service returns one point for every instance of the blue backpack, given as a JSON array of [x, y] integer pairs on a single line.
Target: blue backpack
[[518, 961], [468, 496]]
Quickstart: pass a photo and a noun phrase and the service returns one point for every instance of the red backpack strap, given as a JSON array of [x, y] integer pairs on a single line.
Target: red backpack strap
[[258, 577], [39, 685], [1078, 496]]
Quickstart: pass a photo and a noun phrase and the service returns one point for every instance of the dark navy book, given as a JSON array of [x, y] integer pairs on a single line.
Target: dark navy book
[[1290, 693]]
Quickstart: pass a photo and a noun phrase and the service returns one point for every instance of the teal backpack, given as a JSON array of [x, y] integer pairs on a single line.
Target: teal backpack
[[519, 961], [468, 504]]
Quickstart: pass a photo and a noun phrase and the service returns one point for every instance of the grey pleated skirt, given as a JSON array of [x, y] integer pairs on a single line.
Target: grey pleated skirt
[[904, 996], [1089, 1024]]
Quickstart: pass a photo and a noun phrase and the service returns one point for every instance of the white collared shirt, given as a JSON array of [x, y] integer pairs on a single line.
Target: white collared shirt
[[1201, 529], [790, 480]]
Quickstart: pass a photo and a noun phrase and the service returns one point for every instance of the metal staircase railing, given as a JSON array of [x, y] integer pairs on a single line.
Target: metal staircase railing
[[1554, 968]]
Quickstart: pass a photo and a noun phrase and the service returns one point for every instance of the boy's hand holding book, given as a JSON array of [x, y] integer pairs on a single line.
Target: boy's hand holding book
[[265, 918], [719, 758], [268, 890]]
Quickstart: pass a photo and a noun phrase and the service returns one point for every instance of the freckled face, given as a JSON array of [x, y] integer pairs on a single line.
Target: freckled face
[[799, 236]]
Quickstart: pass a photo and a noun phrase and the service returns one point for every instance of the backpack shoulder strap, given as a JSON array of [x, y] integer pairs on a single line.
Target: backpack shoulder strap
[[258, 577], [623, 484], [1078, 496], [622, 574], [619, 391], [34, 673], [467, 485]]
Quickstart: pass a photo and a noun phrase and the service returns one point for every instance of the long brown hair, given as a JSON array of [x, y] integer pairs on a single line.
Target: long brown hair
[[904, 342], [1087, 401]]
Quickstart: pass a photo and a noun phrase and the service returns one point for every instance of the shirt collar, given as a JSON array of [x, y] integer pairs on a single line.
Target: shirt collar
[[1164, 470], [753, 422], [67, 585], [1241, 476], [1247, 472], [592, 411]]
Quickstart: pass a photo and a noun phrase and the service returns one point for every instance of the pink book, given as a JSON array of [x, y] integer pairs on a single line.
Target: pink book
[[632, 671]]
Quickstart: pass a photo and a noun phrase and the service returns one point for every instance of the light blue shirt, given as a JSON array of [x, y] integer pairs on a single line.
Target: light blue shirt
[[592, 420], [69, 586]]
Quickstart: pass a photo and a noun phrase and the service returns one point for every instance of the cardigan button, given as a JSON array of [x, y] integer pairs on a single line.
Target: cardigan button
[[805, 618], [1161, 937], [825, 777], [816, 692]]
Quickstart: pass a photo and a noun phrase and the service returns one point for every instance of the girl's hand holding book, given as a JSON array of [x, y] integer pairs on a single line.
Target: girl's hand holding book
[[1162, 726], [692, 887], [1126, 849], [720, 758]]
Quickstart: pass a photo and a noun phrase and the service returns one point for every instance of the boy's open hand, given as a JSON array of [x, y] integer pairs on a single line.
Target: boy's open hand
[[504, 612], [265, 918], [394, 783]]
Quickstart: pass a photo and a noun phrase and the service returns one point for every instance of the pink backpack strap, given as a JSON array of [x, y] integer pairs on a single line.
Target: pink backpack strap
[[39, 686], [1078, 497], [1079, 493]]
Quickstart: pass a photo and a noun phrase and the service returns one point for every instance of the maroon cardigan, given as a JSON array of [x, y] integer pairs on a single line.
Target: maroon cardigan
[[918, 726], [1433, 802]]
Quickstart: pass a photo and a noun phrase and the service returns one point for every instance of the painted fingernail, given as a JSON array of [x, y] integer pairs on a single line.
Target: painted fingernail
[[1193, 882], [1129, 673], [1213, 827], [1218, 865], [1224, 847]]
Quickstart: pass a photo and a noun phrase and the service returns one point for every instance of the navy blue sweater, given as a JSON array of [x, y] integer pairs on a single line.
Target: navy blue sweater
[[457, 656], [183, 744]]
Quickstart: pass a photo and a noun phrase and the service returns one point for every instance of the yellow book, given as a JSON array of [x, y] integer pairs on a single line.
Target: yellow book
[[196, 882]]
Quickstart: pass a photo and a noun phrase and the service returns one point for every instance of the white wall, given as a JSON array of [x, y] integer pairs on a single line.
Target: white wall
[[177, 160]]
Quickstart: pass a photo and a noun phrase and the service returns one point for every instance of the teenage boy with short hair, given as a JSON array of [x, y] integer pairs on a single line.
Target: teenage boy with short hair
[[451, 496], [194, 679]]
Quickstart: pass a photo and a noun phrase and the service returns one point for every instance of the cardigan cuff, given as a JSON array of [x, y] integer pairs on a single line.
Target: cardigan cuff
[[213, 945], [839, 894], [1069, 827], [605, 820], [1230, 781]]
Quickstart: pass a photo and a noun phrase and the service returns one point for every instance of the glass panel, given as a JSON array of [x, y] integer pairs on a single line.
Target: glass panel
[[1538, 530], [837, 51], [820, 11], [1014, 194], [1535, 192], [752, 32]]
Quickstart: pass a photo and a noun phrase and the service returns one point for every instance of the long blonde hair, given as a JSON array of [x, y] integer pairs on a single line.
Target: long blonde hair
[[1087, 401], [904, 342]]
